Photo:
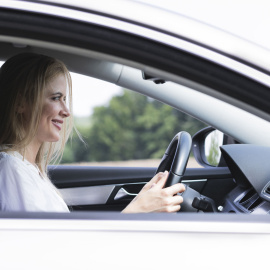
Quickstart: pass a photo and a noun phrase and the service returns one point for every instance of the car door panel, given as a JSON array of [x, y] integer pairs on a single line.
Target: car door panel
[[112, 188]]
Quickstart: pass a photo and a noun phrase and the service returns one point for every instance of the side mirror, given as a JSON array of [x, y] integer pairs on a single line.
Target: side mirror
[[213, 141], [206, 147]]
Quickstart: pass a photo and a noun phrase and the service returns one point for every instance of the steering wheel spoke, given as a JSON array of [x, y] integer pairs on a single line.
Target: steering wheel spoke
[[175, 162], [176, 157]]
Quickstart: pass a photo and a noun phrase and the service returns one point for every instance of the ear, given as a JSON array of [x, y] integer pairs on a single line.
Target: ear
[[21, 107]]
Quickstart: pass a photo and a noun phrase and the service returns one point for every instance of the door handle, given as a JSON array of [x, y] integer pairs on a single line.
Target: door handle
[[123, 194]]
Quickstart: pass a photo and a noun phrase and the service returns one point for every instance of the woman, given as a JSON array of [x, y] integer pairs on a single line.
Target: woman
[[35, 122]]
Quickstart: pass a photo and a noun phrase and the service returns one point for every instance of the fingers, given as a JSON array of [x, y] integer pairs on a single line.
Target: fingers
[[159, 181], [171, 204], [172, 209], [177, 188], [160, 178], [154, 198], [175, 208], [176, 200]]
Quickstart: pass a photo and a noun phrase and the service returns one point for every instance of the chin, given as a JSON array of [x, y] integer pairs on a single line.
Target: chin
[[54, 138]]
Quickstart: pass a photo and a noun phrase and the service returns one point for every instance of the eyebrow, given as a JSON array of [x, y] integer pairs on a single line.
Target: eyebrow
[[57, 93]]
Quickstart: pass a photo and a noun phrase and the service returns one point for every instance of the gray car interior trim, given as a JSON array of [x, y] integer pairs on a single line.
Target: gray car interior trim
[[87, 195], [248, 165], [193, 181], [94, 195]]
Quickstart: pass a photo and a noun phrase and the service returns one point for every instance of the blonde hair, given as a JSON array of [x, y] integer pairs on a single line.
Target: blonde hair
[[23, 79]]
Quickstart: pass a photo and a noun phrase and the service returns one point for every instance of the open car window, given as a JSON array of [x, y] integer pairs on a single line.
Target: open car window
[[121, 127]]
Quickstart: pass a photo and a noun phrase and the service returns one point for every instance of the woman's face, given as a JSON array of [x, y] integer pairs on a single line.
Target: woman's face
[[54, 111]]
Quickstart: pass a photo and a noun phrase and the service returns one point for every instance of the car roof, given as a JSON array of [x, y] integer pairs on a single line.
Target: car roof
[[180, 21], [251, 22]]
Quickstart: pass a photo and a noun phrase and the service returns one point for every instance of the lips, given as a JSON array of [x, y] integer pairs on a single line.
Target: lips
[[57, 123]]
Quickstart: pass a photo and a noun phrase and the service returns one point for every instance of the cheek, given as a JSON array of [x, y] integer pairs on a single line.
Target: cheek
[[48, 111]]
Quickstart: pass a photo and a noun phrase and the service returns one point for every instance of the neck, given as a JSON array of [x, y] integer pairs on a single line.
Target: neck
[[31, 152]]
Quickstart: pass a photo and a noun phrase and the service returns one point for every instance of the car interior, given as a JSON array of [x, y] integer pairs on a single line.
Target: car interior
[[189, 84], [228, 186]]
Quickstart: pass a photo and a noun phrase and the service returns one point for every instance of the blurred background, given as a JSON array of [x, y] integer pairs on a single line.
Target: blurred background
[[121, 127]]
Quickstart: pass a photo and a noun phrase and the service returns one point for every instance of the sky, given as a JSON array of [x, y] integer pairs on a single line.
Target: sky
[[84, 100]]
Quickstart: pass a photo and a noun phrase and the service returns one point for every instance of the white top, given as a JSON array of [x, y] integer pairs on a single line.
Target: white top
[[22, 188]]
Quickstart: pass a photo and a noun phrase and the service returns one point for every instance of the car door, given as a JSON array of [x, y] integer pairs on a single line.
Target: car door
[[72, 38], [112, 188]]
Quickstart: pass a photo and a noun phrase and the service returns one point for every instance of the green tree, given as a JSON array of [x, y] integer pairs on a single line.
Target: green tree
[[213, 157], [76, 150], [133, 126]]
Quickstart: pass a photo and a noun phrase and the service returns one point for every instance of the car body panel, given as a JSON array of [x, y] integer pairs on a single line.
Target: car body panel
[[182, 27], [128, 242], [175, 24]]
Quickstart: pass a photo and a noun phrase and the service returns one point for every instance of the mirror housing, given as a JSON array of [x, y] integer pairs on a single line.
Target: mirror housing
[[206, 147]]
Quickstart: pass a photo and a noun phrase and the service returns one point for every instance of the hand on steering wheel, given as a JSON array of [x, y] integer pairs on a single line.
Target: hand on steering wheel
[[160, 194], [175, 161], [155, 198]]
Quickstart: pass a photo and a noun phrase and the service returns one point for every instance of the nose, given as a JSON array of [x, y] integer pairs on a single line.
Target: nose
[[65, 111]]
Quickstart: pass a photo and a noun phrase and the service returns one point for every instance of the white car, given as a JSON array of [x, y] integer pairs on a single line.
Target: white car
[[214, 76]]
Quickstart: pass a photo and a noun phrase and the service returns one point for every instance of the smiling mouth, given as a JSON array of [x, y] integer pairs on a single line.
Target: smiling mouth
[[57, 123]]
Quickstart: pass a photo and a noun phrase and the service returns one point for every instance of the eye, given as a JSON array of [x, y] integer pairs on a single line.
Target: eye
[[56, 98]]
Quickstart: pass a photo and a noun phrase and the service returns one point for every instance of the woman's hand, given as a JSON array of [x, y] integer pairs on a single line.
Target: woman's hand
[[154, 198]]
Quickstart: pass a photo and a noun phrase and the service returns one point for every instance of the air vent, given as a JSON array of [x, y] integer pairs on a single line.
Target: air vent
[[267, 190], [248, 196], [265, 194], [249, 201], [255, 204]]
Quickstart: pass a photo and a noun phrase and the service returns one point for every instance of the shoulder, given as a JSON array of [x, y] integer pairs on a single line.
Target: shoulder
[[14, 171], [10, 162], [18, 183], [6, 159], [4, 156]]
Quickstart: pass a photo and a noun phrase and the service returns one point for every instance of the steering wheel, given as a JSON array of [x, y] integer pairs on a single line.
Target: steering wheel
[[176, 157], [175, 162]]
